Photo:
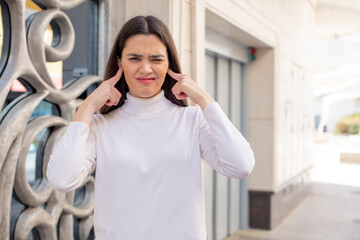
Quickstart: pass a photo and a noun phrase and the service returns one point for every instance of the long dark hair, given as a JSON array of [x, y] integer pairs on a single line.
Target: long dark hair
[[143, 25]]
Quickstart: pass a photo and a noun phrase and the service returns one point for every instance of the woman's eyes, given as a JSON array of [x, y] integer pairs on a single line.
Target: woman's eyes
[[155, 60]]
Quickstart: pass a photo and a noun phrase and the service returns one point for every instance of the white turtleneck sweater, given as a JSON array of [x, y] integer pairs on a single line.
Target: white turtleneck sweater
[[148, 182]]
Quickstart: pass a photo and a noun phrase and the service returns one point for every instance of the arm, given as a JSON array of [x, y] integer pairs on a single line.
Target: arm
[[73, 158], [75, 154], [222, 145]]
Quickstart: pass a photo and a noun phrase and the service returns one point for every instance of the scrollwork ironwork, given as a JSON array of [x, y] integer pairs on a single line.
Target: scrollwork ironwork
[[46, 211]]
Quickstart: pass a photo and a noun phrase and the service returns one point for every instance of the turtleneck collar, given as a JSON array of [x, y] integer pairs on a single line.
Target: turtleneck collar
[[146, 107]]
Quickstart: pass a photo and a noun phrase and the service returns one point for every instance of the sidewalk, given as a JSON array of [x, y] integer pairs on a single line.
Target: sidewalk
[[331, 212]]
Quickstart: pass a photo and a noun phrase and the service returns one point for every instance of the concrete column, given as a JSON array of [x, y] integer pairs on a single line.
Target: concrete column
[[111, 19], [198, 41]]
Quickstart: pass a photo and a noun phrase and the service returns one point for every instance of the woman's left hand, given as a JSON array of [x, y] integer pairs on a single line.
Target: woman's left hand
[[186, 87]]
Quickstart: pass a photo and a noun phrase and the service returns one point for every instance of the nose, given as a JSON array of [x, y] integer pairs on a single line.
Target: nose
[[145, 68]]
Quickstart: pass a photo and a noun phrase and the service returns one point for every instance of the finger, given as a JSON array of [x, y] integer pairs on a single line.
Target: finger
[[116, 78], [118, 96], [115, 97], [178, 90], [176, 76], [112, 99], [175, 89], [182, 96]]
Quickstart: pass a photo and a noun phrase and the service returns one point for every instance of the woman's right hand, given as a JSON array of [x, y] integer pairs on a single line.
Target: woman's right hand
[[105, 94]]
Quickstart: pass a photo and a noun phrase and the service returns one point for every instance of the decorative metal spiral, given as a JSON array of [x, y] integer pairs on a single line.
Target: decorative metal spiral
[[45, 210]]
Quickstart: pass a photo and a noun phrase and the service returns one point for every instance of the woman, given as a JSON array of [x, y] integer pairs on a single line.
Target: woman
[[147, 145]]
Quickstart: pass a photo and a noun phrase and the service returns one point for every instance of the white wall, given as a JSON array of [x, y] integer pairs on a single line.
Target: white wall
[[292, 21], [280, 112]]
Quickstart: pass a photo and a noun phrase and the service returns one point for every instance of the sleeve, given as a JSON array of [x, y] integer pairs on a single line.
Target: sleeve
[[73, 157], [222, 146]]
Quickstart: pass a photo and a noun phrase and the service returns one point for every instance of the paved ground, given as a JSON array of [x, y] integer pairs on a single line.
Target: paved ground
[[332, 211]]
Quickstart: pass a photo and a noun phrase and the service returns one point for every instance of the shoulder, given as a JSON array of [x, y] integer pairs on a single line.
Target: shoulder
[[191, 113], [100, 121], [187, 110], [211, 111]]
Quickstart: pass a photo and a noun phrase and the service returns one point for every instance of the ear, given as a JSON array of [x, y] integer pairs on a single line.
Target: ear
[[119, 62]]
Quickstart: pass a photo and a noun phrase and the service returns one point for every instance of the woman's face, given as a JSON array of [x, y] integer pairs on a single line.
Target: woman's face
[[145, 64]]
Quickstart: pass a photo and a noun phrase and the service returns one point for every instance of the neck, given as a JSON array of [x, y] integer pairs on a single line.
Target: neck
[[146, 106]]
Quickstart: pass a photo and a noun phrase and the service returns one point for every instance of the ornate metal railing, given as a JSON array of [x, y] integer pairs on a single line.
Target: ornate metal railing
[[34, 210]]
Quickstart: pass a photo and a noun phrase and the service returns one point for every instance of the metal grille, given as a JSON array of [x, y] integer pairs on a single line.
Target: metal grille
[[32, 209]]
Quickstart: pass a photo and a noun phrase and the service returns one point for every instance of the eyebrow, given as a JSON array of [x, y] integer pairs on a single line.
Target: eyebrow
[[134, 55], [157, 56], [151, 56]]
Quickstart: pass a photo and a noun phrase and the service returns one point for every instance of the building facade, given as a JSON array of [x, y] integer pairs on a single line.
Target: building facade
[[252, 56]]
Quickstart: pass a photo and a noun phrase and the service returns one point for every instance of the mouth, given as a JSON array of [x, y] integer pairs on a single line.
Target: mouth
[[147, 80]]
